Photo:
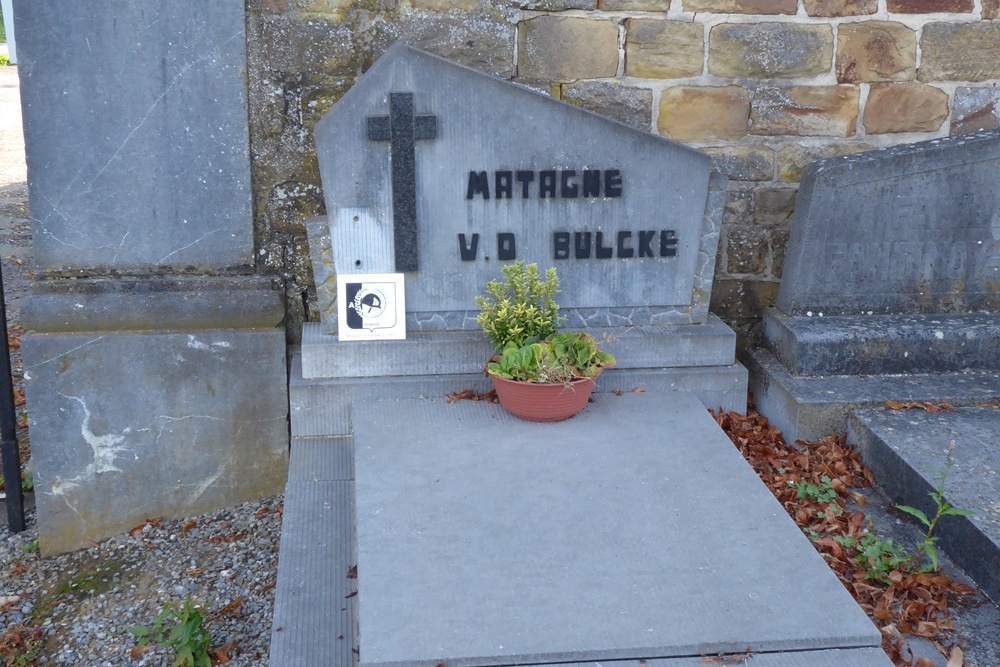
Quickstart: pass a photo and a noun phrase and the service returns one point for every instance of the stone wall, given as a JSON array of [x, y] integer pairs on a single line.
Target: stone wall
[[764, 86]]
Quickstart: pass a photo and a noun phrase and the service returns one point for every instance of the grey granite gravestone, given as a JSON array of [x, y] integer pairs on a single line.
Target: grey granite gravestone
[[891, 286], [891, 291], [154, 359], [445, 174]]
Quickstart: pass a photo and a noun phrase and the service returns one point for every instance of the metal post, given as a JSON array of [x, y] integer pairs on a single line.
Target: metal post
[[8, 428]]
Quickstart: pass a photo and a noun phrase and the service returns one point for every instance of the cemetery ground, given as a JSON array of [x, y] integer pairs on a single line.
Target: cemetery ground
[[76, 608]]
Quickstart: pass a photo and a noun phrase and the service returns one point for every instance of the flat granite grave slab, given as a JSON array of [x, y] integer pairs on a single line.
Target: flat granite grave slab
[[906, 449], [634, 530]]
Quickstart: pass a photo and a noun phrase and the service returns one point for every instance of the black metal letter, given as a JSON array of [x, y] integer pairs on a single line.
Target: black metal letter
[[468, 250], [569, 190], [505, 247], [547, 183], [560, 245], [612, 183], [581, 245], [504, 182], [646, 243], [624, 249], [478, 184], [668, 243], [591, 183], [525, 178]]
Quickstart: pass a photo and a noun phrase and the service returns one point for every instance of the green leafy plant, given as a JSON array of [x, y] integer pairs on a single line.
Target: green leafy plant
[[31, 547], [21, 646], [878, 557], [4, 60], [182, 629], [561, 358], [521, 309], [928, 545], [821, 493]]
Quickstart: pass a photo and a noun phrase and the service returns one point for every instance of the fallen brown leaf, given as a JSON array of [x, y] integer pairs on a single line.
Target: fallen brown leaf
[[957, 657], [138, 651], [190, 525], [729, 658]]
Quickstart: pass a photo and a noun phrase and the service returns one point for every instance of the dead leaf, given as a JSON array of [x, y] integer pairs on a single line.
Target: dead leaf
[[229, 610], [924, 662], [137, 651], [957, 657], [352, 573], [136, 530], [894, 405], [729, 658], [350, 595], [190, 525]]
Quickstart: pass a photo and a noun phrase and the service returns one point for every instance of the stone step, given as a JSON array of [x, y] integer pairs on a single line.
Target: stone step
[[458, 352], [906, 451], [320, 407], [812, 407], [879, 344], [633, 531], [315, 606]]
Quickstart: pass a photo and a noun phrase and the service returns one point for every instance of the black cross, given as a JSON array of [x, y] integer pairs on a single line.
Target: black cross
[[401, 128]]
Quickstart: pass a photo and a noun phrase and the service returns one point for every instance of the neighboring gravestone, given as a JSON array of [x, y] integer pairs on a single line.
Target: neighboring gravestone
[[154, 359], [445, 174], [891, 286]]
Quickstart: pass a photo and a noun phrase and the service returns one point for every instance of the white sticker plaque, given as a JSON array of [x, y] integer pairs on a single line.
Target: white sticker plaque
[[371, 306]]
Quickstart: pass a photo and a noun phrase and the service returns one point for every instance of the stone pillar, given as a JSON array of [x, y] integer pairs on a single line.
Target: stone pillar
[[155, 356]]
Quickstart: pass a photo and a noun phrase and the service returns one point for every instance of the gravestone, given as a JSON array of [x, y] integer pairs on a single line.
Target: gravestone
[[891, 286], [444, 174], [451, 532], [154, 357], [891, 291]]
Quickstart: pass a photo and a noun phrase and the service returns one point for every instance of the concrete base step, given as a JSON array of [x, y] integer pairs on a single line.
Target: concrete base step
[[315, 603], [906, 450], [870, 344], [811, 407], [460, 352], [321, 407]]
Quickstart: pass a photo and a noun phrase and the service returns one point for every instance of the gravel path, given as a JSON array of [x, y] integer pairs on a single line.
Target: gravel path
[[85, 602]]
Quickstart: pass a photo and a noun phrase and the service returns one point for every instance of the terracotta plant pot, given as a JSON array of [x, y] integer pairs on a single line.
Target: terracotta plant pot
[[543, 402]]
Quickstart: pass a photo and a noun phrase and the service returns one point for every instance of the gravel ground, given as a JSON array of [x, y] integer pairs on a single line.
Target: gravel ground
[[86, 601]]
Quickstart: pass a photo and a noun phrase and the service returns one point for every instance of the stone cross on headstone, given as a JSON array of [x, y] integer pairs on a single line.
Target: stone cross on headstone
[[401, 128]]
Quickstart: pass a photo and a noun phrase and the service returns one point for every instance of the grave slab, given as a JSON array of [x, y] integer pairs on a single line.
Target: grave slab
[[812, 407], [866, 344], [634, 530], [906, 450]]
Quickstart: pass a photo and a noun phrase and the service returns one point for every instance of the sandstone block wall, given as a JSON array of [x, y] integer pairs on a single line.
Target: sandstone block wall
[[764, 86]]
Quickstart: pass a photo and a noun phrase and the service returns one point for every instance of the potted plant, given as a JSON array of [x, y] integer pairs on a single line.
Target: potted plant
[[539, 373]]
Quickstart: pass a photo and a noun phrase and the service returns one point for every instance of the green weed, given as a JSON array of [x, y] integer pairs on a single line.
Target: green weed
[[928, 545], [182, 629], [878, 557], [821, 493], [21, 646], [31, 547]]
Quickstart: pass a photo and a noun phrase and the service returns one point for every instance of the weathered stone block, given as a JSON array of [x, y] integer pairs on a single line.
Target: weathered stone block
[[770, 50], [876, 51], [744, 162], [742, 6], [556, 5], [929, 6], [567, 48], [794, 158], [991, 9], [905, 107], [960, 52], [738, 209], [830, 111], [779, 244], [975, 109], [445, 5], [774, 206], [632, 106], [634, 5], [840, 7], [736, 300], [312, 49], [485, 44], [127, 181], [152, 398], [704, 114], [746, 251], [664, 49]]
